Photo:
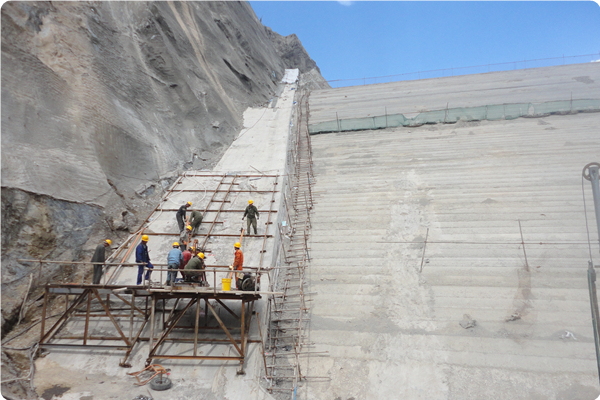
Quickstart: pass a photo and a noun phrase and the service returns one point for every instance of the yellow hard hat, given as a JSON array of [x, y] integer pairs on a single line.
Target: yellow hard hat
[[189, 227], [201, 255], [108, 241], [250, 202], [237, 245], [145, 238], [189, 203], [175, 244], [192, 249]]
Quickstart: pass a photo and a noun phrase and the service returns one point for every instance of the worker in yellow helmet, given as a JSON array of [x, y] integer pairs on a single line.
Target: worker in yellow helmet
[[98, 260], [252, 213], [195, 263], [238, 262], [142, 258], [181, 217], [184, 237], [195, 221], [174, 260]]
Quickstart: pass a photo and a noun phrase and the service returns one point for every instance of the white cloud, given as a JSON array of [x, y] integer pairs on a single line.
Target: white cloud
[[346, 3], [595, 60]]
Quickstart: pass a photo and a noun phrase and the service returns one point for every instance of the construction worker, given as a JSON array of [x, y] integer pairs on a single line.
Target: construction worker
[[252, 213], [98, 260], [184, 237], [238, 262], [187, 255], [196, 262], [174, 260], [195, 221], [181, 218], [142, 258]]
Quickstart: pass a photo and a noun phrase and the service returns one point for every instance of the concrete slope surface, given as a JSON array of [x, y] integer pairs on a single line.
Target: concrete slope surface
[[97, 373], [471, 313], [536, 85]]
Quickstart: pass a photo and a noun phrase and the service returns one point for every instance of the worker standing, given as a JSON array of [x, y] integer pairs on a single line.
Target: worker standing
[[238, 263], [195, 221], [181, 218], [98, 259], [174, 260], [252, 213], [142, 258]]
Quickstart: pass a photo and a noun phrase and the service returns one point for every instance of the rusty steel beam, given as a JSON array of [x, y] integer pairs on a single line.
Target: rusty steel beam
[[111, 317], [231, 339], [61, 320], [231, 176], [233, 191], [134, 341], [106, 346], [171, 326], [219, 212], [130, 304], [174, 357], [204, 234], [228, 309], [87, 318], [207, 211], [44, 314], [197, 320]]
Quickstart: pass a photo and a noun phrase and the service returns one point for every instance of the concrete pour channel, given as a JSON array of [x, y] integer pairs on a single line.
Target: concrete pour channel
[[256, 162]]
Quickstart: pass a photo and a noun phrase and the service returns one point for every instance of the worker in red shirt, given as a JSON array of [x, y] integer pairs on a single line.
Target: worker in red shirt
[[187, 255]]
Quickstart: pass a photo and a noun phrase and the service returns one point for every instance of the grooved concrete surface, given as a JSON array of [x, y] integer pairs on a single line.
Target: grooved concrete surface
[[577, 81], [392, 330]]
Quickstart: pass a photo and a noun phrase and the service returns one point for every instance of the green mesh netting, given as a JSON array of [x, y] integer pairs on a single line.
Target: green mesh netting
[[490, 112]]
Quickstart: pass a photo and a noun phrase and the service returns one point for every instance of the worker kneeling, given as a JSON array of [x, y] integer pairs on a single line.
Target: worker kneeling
[[196, 262]]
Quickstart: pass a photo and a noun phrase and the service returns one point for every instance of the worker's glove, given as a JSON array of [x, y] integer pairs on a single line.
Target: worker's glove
[[231, 267]]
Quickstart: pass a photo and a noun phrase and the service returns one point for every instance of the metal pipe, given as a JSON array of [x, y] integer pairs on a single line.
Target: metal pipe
[[594, 179], [591, 273]]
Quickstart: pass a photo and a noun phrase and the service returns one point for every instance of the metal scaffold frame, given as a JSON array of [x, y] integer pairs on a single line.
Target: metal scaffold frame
[[89, 296], [158, 320]]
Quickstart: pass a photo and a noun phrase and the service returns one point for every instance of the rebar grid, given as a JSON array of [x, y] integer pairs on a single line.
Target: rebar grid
[[287, 339]]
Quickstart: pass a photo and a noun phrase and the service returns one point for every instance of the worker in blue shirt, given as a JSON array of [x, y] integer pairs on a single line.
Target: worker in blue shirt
[[174, 259], [142, 257]]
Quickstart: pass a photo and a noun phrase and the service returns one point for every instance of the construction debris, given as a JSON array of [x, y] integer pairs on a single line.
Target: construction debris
[[468, 322], [515, 316]]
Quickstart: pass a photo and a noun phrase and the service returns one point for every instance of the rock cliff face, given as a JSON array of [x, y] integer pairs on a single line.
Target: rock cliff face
[[103, 103]]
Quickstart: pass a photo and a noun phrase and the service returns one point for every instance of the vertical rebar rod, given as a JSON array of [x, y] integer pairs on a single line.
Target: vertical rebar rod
[[87, 319], [424, 247], [523, 244], [46, 291], [151, 339]]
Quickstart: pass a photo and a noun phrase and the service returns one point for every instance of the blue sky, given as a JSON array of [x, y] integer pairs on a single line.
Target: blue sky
[[350, 40]]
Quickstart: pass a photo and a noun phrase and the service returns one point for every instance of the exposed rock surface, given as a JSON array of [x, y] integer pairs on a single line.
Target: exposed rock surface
[[103, 103], [293, 54]]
